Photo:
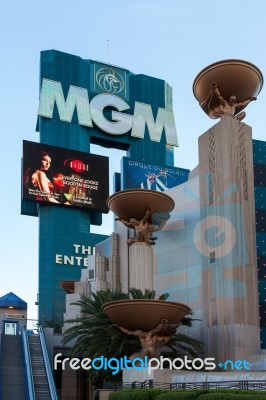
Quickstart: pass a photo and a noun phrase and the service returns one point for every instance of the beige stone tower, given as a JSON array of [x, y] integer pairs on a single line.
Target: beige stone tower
[[228, 247]]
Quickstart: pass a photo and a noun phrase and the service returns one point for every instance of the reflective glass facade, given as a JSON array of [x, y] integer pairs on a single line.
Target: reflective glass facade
[[259, 149]]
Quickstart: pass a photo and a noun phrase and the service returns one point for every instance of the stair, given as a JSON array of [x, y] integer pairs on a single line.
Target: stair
[[12, 368]]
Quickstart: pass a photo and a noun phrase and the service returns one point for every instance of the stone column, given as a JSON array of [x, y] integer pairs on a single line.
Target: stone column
[[227, 245], [140, 266]]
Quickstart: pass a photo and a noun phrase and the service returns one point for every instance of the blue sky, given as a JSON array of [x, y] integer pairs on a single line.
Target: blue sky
[[171, 39]]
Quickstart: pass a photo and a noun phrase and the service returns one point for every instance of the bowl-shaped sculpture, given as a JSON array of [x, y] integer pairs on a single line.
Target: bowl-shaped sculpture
[[144, 314], [133, 203], [68, 286], [234, 78]]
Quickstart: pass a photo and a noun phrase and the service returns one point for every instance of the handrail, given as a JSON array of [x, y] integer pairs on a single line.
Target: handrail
[[48, 368], [30, 384]]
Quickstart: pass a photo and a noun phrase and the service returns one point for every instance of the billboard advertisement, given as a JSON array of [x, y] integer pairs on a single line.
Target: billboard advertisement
[[65, 177], [143, 175]]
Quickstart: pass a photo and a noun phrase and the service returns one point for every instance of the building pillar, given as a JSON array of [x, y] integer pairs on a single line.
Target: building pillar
[[140, 266], [228, 241]]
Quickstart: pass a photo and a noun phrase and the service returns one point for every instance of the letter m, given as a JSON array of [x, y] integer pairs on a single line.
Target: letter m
[[52, 93], [165, 120]]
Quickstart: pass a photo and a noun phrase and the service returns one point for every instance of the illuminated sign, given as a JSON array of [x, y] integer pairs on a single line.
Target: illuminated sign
[[65, 177], [93, 110], [137, 174]]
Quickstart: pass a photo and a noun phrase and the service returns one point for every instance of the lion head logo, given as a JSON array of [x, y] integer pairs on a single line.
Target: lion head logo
[[109, 80]]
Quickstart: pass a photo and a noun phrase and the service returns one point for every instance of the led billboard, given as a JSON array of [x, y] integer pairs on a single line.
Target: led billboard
[[65, 177], [137, 174]]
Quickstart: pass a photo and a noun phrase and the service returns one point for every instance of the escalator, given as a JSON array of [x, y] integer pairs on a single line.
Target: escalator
[[40, 381]]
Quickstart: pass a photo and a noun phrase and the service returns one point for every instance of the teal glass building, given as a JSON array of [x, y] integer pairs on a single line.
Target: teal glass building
[[84, 102]]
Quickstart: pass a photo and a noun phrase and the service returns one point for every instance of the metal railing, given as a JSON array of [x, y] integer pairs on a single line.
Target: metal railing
[[241, 385], [148, 384], [48, 368], [26, 350]]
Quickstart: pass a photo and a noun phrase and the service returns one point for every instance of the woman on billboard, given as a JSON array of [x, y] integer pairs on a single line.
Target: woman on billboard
[[38, 181], [41, 181]]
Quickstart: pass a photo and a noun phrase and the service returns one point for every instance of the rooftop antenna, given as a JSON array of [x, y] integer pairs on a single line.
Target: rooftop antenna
[[108, 51]]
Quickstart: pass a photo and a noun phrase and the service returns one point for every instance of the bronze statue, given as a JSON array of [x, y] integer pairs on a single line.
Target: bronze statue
[[150, 341], [226, 87], [144, 227], [224, 107]]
